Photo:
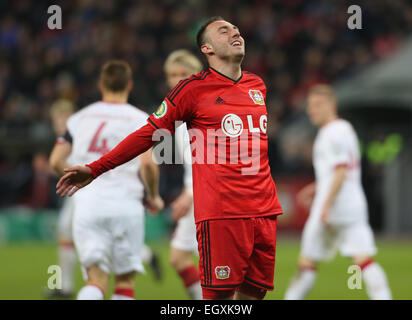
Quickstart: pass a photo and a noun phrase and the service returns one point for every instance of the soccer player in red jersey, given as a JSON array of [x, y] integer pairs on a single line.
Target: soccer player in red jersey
[[235, 200]]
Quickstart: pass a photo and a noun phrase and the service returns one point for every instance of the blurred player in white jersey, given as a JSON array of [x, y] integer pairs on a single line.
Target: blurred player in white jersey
[[179, 65], [338, 217], [60, 111], [108, 221]]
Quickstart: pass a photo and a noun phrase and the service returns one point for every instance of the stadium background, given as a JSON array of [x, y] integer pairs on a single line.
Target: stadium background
[[290, 44]]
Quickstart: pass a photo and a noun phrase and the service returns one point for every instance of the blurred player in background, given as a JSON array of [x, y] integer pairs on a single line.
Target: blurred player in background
[[179, 65], [60, 112], [339, 212], [108, 222], [236, 204]]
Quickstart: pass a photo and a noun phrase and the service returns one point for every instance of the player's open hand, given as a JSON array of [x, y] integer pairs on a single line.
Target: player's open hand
[[75, 178], [154, 204]]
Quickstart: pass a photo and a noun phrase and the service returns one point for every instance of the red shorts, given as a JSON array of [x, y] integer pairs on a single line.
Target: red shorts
[[234, 251]]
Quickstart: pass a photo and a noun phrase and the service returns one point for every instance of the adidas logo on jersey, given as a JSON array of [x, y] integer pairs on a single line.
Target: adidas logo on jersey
[[219, 100]]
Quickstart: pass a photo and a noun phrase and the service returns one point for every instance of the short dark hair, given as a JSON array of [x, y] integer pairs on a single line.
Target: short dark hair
[[115, 75], [200, 33]]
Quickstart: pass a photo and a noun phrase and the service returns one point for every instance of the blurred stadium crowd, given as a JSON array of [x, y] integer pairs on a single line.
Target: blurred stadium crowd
[[290, 44]]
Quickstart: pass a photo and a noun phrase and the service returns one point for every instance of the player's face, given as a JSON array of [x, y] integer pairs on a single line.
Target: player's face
[[176, 72], [225, 40], [319, 109]]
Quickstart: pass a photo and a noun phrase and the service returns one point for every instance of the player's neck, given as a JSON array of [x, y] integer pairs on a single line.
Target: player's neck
[[329, 120], [112, 97], [231, 70]]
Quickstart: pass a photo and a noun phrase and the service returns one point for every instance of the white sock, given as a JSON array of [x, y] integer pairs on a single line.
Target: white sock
[[376, 282], [195, 291], [90, 293], [67, 262], [146, 254], [301, 285]]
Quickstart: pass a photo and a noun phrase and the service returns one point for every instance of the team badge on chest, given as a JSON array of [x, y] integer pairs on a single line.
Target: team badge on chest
[[222, 272], [257, 97]]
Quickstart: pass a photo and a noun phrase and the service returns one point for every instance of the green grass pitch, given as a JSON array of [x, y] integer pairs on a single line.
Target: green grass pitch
[[23, 272]]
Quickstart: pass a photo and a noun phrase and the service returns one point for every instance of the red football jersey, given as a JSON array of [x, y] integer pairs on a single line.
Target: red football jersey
[[227, 122]]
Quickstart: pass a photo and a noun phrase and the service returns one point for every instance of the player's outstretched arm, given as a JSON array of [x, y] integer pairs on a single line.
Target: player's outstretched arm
[[129, 148], [75, 178]]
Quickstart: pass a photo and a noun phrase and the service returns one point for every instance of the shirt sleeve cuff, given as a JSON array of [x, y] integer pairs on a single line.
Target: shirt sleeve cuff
[[93, 173]]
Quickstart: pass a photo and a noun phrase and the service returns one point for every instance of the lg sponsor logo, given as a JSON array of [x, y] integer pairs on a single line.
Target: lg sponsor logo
[[232, 125]]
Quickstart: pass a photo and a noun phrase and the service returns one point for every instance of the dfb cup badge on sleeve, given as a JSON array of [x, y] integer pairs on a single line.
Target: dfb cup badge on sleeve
[[161, 110]]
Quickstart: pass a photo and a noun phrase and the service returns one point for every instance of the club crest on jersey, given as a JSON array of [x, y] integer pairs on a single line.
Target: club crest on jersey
[[257, 97], [161, 110], [222, 272]]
